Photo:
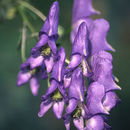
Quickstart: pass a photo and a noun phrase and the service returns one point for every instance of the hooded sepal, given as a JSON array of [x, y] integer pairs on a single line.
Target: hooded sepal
[[97, 36], [95, 96]]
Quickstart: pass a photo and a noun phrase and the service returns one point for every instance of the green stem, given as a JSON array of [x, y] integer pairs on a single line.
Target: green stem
[[23, 42], [33, 9]]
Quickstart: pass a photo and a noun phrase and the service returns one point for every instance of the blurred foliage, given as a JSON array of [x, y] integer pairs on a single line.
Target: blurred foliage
[[18, 109]]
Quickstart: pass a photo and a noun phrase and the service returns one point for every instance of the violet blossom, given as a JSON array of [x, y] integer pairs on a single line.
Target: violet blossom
[[87, 105], [45, 49], [55, 93]]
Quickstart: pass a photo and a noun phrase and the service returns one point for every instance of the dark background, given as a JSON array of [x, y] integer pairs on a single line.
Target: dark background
[[18, 108]]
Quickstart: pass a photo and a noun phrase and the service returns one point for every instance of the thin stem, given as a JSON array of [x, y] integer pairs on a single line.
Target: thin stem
[[23, 42], [33, 9]]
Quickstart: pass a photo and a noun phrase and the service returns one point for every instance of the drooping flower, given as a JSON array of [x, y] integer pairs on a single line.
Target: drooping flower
[[75, 108], [82, 10], [95, 123], [97, 36], [26, 74], [95, 95], [55, 94], [79, 51], [45, 49], [89, 62], [102, 70]]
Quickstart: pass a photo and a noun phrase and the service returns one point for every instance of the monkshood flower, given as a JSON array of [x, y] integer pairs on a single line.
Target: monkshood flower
[[97, 36], [45, 49], [87, 106], [78, 54], [55, 94], [82, 10], [102, 70], [96, 123], [99, 103], [75, 108], [43, 53], [26, 74], [79, 51]]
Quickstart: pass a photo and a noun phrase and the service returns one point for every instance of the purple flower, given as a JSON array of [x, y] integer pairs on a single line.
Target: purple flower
[[27, 74], [79, 51], [89, 62], [102, 70], [45, 49], [55, 93], [82, 10], [75, 108], [76, 88], [97, 36], [95, 96], [76, 25], [110, 100], [95, 123], [77, 116], [49, 31]]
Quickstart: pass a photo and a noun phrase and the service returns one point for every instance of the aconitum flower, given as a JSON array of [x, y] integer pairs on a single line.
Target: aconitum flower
[[55, 95], [45, 49], [75, 108], [79, 55], [26, 74], [79, 51], [43, 54], [102, 70], [87, 105], [97, 36], [82, 10]]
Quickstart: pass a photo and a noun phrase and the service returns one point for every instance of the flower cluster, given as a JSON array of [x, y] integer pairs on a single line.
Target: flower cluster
[[87, 105]]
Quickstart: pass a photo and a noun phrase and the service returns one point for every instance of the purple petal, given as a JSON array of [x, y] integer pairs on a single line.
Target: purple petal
[[98, 33], [52, 45], [34, 85], [23, 78], [43, 73], [110, 100], [63, 92], [50, 26], [76, 25], [58, 108], [72, 105], [49, 62], [50, 90], [58, 69], [82, 9], [67, 119], [44, 107], [43, 39], [77, 85], [67, 126], [67, 81], [75, 61], [80, 45], [95, 123], [102, 70], [35, 61], [79, 123], [95, 96]]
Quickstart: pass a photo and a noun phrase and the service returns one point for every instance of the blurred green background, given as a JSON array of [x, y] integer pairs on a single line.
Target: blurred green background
[[18, 108]]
